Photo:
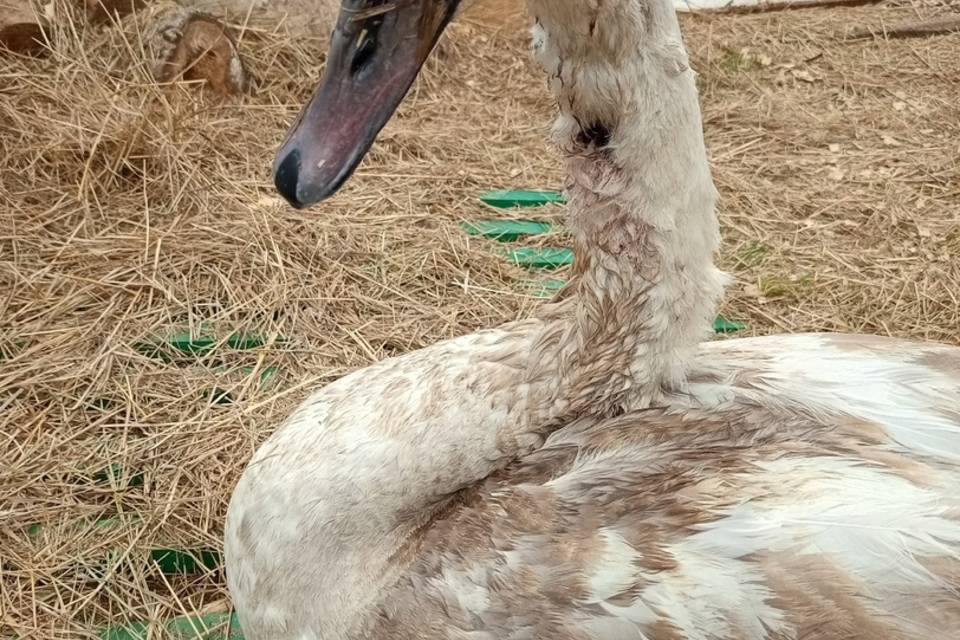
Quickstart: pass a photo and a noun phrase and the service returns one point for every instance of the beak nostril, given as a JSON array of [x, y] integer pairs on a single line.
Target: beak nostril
[[286, 177], [366, 48]]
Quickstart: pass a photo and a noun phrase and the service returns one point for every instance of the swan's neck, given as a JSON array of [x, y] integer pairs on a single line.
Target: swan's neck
[[332, 510], [642, 203]]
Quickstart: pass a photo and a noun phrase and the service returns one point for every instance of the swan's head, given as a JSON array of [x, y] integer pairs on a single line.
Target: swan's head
[[376, 51]]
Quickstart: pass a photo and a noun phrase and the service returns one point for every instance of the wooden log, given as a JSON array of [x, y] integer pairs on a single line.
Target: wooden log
[[186, 44], [21, 28], [933, 27], [761, 6]]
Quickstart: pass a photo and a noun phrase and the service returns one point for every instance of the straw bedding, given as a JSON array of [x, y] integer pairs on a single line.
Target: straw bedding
[[130, 211]]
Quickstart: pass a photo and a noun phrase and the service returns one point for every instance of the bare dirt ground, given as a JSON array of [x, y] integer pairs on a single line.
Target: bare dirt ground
[[130, 212]]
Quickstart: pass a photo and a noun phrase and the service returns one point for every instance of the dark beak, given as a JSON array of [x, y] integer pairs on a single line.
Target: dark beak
[[377, 49]]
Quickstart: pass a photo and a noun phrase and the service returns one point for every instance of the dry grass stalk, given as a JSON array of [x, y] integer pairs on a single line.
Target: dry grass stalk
[[130, 210], [305, 18], [496, 13], [101, 11]]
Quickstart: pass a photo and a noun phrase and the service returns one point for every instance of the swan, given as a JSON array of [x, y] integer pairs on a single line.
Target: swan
[[598, 471]]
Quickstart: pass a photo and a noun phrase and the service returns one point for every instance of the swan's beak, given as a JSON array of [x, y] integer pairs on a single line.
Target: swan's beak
[[376, 51]]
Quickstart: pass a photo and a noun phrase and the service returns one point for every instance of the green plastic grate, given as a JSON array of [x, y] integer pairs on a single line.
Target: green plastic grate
[[186, 344], [545, 288], [540, 257], [510, 199], [168, 561], [177, 562], [723, 325], [114, 475], [211, 626], [505, 230], [221, 396]]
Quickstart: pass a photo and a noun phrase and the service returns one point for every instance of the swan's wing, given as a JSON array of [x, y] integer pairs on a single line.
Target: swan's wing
[[809, 489]]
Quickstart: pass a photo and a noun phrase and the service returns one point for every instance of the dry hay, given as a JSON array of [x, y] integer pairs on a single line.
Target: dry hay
[[130, 210]]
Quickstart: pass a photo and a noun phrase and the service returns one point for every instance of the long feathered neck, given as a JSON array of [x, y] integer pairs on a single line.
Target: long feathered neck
[[642, 204], [332, 509]]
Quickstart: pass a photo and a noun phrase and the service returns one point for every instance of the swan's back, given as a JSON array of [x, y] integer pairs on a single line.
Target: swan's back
[[808, 487]]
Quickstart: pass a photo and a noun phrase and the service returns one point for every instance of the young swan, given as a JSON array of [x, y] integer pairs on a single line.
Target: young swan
[[592, 473]]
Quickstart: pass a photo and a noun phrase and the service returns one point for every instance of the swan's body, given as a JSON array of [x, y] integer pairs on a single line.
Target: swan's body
[[805, 487], [593, 473]]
